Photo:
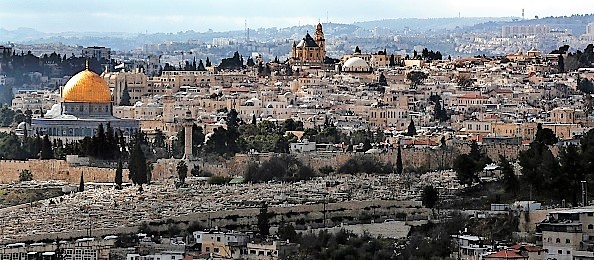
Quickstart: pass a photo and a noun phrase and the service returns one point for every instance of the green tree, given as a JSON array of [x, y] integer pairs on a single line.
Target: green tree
[[464, 81], [412, 130], [326, 170], [289, 125], [481, 159], [465, 168], [182, 171], [119, 175], [587, 148], [46, 149], [264, 220], [430, 196], [572, 172], [137, 163], [286, 232], [399, 166], [531, 160], [218, 180], [366, 145], [250, 62], [510, 180], [586, 86], [382, 81], [545, 135], [201, 66], [125, 99], [159, 139], [416, 78], [25, 175], [81, 185], [561, 64]]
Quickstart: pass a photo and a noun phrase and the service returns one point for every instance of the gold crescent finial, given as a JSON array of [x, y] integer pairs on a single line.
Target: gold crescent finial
[[87, 64]]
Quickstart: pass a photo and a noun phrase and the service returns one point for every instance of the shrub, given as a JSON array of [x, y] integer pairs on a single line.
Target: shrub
[[218, 180], [25, 175], [365, 164]]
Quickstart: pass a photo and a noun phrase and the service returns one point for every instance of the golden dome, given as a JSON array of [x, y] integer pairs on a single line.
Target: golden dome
[[86, 86]]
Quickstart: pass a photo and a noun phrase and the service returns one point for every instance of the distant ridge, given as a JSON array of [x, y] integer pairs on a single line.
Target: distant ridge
[[575, 23], [122, 40], [428, 24]]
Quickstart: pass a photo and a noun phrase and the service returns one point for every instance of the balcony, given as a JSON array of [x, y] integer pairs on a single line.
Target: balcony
[[567, 226]]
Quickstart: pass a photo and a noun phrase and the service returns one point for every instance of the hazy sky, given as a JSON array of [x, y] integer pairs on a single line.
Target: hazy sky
[[201, 15]]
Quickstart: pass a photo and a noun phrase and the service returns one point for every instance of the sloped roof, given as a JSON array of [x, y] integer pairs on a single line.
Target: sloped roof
[[507, 254], [308, 41], [529, 248]]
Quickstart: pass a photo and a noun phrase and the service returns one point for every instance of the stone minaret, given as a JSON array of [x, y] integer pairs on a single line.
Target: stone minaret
[[188, 122]]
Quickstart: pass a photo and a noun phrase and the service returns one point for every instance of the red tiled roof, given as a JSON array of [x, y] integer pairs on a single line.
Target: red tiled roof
[[507, 254], [529, 248]]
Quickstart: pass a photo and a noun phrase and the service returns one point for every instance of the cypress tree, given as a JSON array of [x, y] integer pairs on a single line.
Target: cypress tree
[[137, 165], [264, 220], [182, 171], [125, 99], [81, 186], [119, 175], [46, 149], [412, 130], [399, 167], [510, 180]]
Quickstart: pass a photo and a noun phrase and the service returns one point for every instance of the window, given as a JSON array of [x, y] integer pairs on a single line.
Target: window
[[207, 249], [560, 252], [567, 241], [216, 249], [590, 214], [590, 226], [558, 240], [568, 252]]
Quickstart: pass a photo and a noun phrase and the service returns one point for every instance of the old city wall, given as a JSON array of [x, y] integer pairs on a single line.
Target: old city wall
[[412, 158], [44, 170]]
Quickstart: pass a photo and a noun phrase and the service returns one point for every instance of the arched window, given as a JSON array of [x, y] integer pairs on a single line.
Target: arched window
[[558, 240], [590, 226]]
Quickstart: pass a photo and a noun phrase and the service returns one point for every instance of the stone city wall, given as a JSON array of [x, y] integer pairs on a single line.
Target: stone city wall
[[412, 158], [44, 170]]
